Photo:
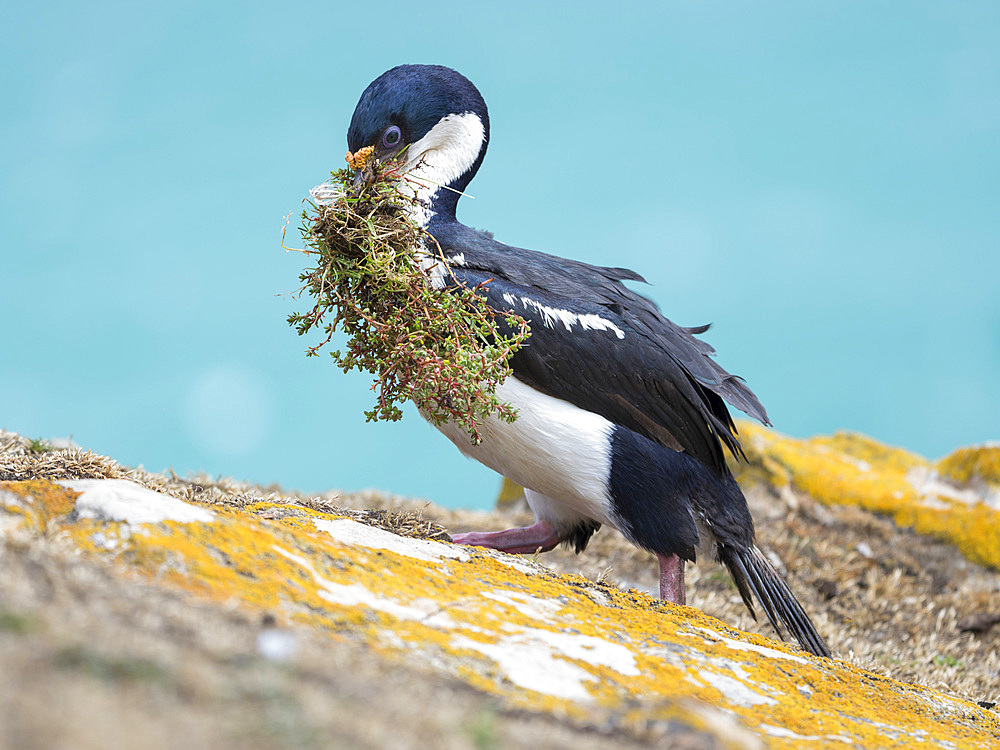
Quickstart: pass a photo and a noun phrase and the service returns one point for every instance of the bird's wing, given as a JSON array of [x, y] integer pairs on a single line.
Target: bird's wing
[[604, 348]]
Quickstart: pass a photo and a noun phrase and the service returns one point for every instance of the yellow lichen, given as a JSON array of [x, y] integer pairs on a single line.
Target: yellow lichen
[[850, 469], [510, 495], [449, 610], [965, 465], [39, 501]]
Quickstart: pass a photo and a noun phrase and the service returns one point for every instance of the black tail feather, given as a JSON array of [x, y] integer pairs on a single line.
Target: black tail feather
[[756, 577]]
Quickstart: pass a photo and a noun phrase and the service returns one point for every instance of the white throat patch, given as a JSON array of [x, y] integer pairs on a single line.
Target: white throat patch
[[447, 152]]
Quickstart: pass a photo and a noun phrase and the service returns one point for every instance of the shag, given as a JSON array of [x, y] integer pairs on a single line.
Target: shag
[[622, 416]]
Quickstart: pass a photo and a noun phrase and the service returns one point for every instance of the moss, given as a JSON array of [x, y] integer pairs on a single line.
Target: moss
[[110, 668], [483, 730], [18, 623]]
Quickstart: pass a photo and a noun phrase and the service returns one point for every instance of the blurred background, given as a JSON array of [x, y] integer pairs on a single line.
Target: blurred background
[[819, 180]]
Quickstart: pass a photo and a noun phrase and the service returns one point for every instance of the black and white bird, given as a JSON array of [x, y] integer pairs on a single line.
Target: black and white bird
[[622, 416]]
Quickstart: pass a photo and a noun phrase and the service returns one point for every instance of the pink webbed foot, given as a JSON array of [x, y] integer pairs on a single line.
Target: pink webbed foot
[[540, 536], [672, 579]]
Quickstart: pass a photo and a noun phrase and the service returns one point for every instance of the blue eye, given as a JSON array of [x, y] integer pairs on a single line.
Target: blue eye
[[391, 137]]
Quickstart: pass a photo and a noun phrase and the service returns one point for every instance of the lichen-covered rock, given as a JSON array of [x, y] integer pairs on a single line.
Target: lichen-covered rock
[[956, 499], [538, 641], [977, 466]]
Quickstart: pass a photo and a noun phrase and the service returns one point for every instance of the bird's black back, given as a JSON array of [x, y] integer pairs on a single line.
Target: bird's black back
[[657, 379]]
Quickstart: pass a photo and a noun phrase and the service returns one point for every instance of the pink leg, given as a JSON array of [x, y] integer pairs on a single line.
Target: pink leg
[[672, 579], [539, 536]]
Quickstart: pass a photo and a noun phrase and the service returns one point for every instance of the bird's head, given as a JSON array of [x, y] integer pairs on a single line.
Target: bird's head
[[434, 121]]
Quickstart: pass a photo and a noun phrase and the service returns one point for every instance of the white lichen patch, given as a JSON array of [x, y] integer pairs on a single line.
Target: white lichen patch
[[533, 667], [105, 541], [530, 606], [770, 653], [735, 691], [936, 492], [774, 731], [588, 648], [547, 661], [122, 500], [356, 595], [12, 500], [351, 532], [857, 463]]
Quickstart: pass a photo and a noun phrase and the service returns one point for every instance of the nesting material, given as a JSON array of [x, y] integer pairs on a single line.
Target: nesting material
[[438, 344]]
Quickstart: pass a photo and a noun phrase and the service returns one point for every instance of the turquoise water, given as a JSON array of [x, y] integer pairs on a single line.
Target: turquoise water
[[818, 180]]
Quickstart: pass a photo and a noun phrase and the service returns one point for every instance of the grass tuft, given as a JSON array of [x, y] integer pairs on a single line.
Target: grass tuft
[[38, 445], [17, 623]]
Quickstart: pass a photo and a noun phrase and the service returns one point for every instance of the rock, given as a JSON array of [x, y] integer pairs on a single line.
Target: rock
[[542, 644], [979, 622], [122, 500], [977, 462], [956, 499]]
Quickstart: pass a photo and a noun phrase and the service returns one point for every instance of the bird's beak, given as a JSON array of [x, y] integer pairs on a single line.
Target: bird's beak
[[363, 178]]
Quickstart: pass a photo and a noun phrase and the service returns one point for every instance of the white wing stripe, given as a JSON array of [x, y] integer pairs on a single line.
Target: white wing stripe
[[553, 315]]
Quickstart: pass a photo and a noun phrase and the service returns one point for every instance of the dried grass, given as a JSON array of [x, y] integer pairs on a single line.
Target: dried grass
[[18, 462]]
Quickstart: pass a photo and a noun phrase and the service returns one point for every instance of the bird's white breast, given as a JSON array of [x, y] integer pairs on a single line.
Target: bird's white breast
[[553, 448]]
